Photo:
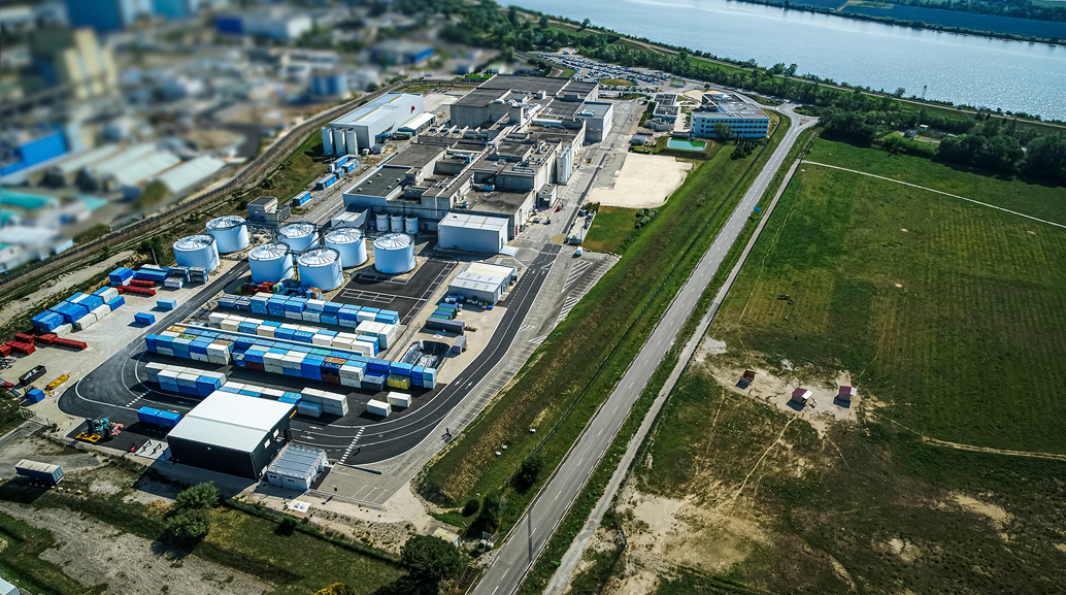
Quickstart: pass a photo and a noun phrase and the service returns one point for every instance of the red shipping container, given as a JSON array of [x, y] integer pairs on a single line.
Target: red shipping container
[[142, 283], [79, 345], [24, 348], [121, 289], [5, 350], [23, 337], [331, 379], [46, 339], [139, 291]]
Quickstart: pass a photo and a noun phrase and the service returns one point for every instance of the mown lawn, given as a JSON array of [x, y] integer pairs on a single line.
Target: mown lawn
[[948, 312], [1037, 199], [565, 364], [610, 229]]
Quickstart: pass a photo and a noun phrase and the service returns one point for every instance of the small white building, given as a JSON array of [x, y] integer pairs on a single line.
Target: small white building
[[597, 116], [800, 396], [297, 467], [472, 233], [483, 282]]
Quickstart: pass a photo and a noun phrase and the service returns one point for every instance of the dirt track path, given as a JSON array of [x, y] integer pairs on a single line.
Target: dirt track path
[[985, 449]]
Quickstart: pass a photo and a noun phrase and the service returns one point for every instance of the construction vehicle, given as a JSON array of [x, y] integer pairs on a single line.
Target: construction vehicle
[[99, 429], [56, 383]]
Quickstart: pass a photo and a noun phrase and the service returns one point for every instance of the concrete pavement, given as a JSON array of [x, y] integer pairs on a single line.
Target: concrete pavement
[[532, 532]]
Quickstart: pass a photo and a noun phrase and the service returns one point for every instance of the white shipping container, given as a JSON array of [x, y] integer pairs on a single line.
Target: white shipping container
[[352, 382], [84, 322], [63, 330], [293, 315], [398, 399], [310, 316], [265, 331], [101, 311], [323, 340], [375, 407], [215, 318], [164, 350], [198, 357], [308, 409], [315, 305], [108, 294]]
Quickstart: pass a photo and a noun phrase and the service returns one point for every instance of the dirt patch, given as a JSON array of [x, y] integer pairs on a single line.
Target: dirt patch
[[105, 487], [823, 409], [645, 181], [149, 491], [637, 582], [1061, 547], [91, 552], [1000, 518], [907, 551], [708, 348]]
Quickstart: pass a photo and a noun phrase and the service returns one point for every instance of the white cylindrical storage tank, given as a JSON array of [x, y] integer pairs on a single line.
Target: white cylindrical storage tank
[[230, 233], [327, 141], [321, 268], [270, 263], [348, 241], [299, 236], [338, 142], [382, 222], [410, 226], [351, 143], [396, 223], [394, 253], [196, 251]]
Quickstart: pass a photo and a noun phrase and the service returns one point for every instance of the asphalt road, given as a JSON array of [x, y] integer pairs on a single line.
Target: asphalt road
[[547, 510]]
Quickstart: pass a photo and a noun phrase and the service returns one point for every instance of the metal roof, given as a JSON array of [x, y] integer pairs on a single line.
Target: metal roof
[[230, 420], [464, 221], [227, 222], [194, 242], [85, 159], [269, 251], [190, 173], [393, 241], [345, 235], [145, 167], [319, 257], [297, 230]]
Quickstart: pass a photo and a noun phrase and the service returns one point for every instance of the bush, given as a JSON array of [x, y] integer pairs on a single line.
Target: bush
[[471, 507], [201, 495], [491, 509], [192, 523], [529, 471]]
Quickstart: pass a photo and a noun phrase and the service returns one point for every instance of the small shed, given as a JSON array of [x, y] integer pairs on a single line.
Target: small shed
[[845, 393], [801, 396], [749, 375], [446, 535]]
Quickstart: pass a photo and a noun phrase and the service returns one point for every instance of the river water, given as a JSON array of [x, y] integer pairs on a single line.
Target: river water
[[965, 69]]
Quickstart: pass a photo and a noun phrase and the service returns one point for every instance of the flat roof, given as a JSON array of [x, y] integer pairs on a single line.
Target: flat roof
[[380, 182], [497, 201], [368, 109], [418, 121], [596, 108], [467, 221], [264, 201], [230, 420], [417, 155]]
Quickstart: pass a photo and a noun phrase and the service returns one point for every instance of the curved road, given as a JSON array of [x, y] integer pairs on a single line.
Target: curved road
[[530, 535]]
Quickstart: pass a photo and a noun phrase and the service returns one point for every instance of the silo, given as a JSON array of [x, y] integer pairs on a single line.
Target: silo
[[299, 236], [338, 142], [396, 223], [382, 222], [394, 253], [327, 141], [348, 241], [197, 251], [321, 268], [351, 144], [270, 263], [230, 233], [410, 225]]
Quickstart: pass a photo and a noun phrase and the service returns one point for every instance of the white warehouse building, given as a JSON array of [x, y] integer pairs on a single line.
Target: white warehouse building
[[367, 126], [483, 281], [472, 233]]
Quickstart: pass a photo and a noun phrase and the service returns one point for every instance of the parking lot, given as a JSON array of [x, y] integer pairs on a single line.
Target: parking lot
[[404, 294]]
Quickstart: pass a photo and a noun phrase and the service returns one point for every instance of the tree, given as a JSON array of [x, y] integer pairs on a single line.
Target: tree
[[544, 23], [430, 559], [899, 92], [778, 68], [192, 523], [791, 70], [530, 469], [723, 131], [491, 509], [472, 506], [585, 24], [201, 495]]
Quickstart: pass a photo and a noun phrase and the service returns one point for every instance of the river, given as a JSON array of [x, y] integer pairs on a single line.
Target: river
[[964, 69]]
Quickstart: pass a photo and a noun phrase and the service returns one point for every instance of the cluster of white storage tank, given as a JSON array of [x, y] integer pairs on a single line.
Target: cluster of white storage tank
[[321, 268], [270, 263], [396, 223], [299, 236], [230, 233], [197, 251]]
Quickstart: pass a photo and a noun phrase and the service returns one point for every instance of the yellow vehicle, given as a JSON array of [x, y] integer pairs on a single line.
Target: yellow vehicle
[[88, 437]]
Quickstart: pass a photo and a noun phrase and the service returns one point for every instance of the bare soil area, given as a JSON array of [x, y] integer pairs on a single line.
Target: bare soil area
[[645, 181], [92, 552]]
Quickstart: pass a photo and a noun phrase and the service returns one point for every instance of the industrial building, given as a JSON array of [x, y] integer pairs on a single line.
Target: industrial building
[[597, 116], [745, 120], [296, 467], [368, 126], [72, 58], [275, 23], [329, 84], [265, 209], [472, 233], [483, 282], [232, 433], [398, 51]]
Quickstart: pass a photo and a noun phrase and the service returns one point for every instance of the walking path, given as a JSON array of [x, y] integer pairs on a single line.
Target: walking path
[[977, 202]]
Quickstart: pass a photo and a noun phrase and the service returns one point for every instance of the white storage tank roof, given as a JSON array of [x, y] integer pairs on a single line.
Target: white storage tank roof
[[349, 242], [197, 251], [394, 253], [270, 263], [230, 233], [299, 236], [320, 267]]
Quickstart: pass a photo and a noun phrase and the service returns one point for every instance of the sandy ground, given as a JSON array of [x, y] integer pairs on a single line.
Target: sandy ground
[[645, 181], [92, 552], [63, 283]]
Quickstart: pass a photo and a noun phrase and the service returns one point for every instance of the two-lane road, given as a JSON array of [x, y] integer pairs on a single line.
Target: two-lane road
[[547, 510]]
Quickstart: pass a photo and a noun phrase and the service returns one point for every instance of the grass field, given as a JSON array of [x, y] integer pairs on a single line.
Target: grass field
[[564, 365], [22, 544], [610, 229], [294, 562], [1032, 198], [948, 312], [768, 503], [294, 174], [617, 82]]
